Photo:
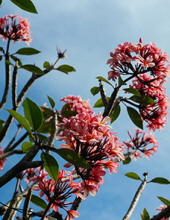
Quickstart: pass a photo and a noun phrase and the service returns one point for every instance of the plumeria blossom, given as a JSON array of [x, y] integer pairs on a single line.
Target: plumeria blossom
[[58, 192], [15, 28], [140, 144], [154, 114], [2, 161], [161, 208], [32, 173], [133, 59], [91, 137]]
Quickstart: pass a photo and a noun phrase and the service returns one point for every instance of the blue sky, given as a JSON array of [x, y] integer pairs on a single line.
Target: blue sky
[[89, 30]]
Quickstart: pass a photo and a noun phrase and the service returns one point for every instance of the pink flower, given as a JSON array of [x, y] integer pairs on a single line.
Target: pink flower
[[154, 114], [72, 214], [130, 58], [15, 28], [139, 144], [2, 161]]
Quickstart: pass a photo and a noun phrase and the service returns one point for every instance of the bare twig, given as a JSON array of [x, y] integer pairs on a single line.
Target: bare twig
[[162, 214], [135, 199], [14, 86]]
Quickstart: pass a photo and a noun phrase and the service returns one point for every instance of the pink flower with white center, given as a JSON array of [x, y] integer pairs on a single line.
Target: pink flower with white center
[[2, 161], [15, 28], [139, 144], [131, 58]]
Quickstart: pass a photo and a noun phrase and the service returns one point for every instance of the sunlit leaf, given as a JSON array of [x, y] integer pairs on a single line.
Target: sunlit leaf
[[95, 90], [99, 103], [115, 114], [144, 100], [66, 68], [50, 165], [33, 69], [20, 119], [25, 5], [104, 80], [26, 146], [73, 158], [133, 91], [51, 101], [27, 51], [32, 113], [135, 117], [145, 215], [165, 201], [133, 175], [46, 65], [126, 161], [160, 180], [38, 201]]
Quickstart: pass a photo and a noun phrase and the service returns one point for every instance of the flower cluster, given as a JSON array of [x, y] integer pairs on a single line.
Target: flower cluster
[[77, 104], [90, 137], [58, 192], [2, 161], [139, 144], [15, 28], [134, 59], [154, 114]]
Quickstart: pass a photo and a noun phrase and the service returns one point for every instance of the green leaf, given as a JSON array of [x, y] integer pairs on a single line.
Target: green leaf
[[26, 146], [46, 127], [65, 68], [25, 5], [33, 69], [95, 90], [145, 215], [135, 117], [1, 58], [73, 158], [27, 51], [1, 124], [33, 113], [126, 161], [38, 201], [114, 115], [46, 65], [99, 103], [104, 80], [121, 82], [51, 101], [20, 119], [133, 175], [160, 180], [133, 91], [47, 112], [50, 165], [0, 2], [144, 100], [165, 201]]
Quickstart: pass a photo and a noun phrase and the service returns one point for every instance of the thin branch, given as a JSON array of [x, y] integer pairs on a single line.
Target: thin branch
[[103, 93], [9, 147], [110, 105], [7, 81], [9, 153], [14, 86], [135, 199], [25, 163]]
